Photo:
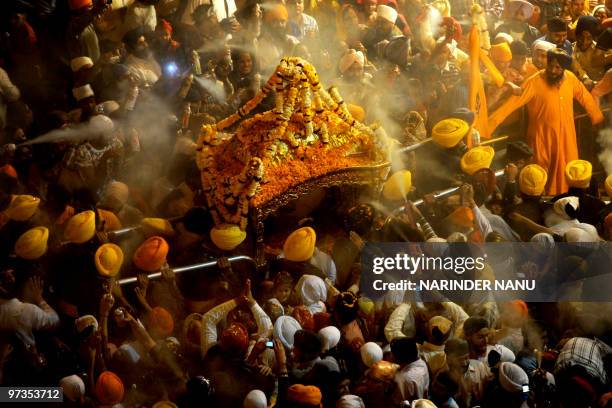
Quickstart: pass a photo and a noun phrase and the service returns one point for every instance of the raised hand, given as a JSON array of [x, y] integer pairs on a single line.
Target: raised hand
[[106, 304], [36, 287]]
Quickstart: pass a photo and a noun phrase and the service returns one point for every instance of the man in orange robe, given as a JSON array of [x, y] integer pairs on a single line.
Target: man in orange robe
[[549, 96]]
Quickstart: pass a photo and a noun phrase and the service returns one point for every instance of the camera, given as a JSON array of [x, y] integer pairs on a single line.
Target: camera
[[171, 69]]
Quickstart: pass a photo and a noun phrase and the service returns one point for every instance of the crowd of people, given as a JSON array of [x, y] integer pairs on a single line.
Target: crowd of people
[[101, 103]]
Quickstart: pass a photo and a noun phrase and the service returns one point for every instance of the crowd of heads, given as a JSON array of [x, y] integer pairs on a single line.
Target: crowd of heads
[[101, 201]]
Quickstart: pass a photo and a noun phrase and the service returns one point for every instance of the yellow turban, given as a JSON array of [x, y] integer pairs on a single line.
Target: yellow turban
[[111, 222], [477, 158], [366, 305], [532, 180], [300, 244], [422, 403], [500, 52], [80, 227], [448, 132], [578, 173], [441, 322], [357, 112], [227, 236], [164, 404], [22, 207], [398, 185], [276, 12], [156, 226], [383, 370], [108, 259], [608, 185], [32, 244]]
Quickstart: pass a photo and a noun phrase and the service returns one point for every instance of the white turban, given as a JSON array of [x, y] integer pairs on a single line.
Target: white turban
[[101, 124], [457, 237], [543, 242], [350, 58], [255, 399], [559, 206], [350, 401], [422, 403], [285, 328], [129, 353], [541, 45], [512, 377], [504, 36], [597, 8], [387, 13], [84, 322], [80, 62], [311, 289], [371, 353], [514, 5], [581, 233], [73, 386], [82, 92], [330, 337]]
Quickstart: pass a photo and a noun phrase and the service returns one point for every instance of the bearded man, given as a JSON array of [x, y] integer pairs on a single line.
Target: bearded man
[[549, 96], [140, 59]]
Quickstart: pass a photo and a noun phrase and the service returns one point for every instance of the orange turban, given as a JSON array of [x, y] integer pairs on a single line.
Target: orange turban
[[501, 52], [151, 254], [462, 216], [161, 320], [608, 222], [235, 338], [304, 394], [303, 317], [109, 388], [111, 222], [9, 170], [79, 4], [517, 306], [383, 370], [276, 12]]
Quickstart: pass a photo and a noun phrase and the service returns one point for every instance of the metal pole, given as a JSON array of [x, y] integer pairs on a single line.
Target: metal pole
[[124, 231], [414, 146], [491, 141], [188, 268], [441, 194]]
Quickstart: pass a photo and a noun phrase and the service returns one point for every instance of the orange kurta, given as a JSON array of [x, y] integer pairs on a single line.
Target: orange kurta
[[551, 132]]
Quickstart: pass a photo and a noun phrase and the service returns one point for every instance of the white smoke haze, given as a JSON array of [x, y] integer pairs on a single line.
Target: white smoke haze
[[81, 132], [212, 88], [605, 157]]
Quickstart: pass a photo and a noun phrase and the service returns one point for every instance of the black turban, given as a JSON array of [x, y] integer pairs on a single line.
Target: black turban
[[604, 41], [587, 23], [561, 57], [131, 37], [556, 25]]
